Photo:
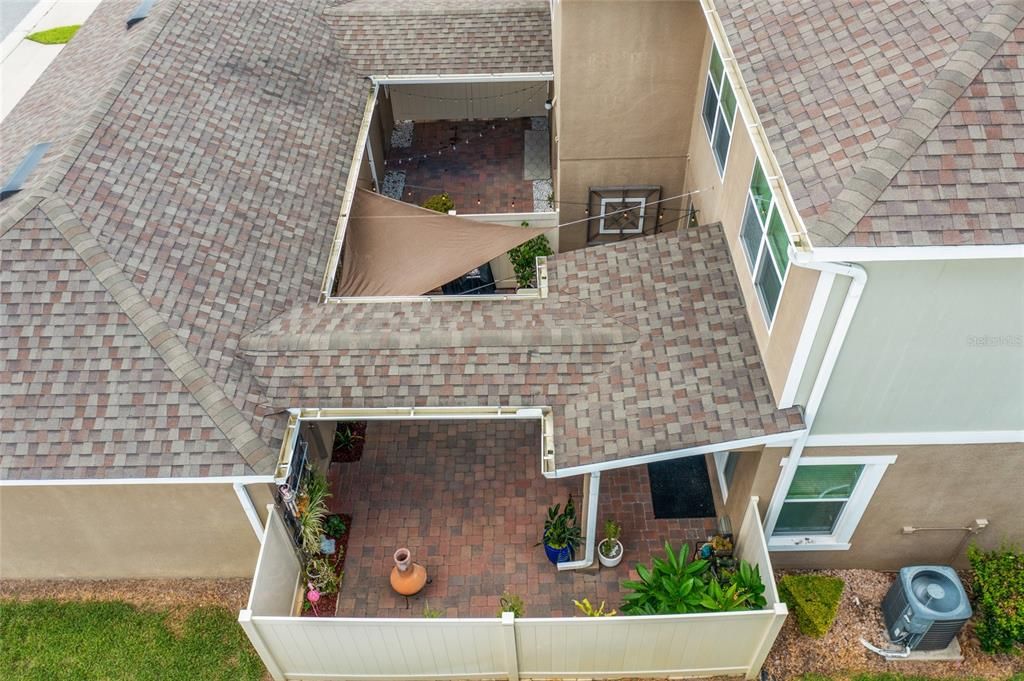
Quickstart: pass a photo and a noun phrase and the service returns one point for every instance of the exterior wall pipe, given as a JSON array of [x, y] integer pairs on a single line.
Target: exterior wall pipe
[[859, 279], [250, 509], [593, 489]]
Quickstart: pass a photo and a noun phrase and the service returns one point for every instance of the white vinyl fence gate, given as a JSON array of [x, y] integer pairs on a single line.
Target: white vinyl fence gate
[[343, 648]]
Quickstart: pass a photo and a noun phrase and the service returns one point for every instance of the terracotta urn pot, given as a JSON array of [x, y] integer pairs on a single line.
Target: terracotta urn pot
[[407, 577], [403, 559]]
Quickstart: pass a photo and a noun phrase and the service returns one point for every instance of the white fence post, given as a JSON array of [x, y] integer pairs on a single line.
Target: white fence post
[[245, 619], [768, 641], [508, 627]]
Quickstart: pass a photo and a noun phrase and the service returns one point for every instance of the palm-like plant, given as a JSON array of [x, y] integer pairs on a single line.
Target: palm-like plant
[[672, 585], [311, 522], [560, 528]]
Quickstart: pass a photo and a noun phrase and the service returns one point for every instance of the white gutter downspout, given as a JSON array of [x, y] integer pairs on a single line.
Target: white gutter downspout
[[591, 531], [859, 279], [250, 510]]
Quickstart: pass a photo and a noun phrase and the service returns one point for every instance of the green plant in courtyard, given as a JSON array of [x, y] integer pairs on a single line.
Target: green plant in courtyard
[[748, 578], [432, 613], [560, 528], [311, 519], [346, 438], [334, 526], [814, 600], [442, 203], [322, 576], [512, 603], [54, 36], [671, 585], [677, 584], [524, 258], [589, 610], [999, 595]]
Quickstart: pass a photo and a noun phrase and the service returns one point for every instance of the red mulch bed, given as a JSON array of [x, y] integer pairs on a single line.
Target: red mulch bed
[[355, 453], [327, 606]]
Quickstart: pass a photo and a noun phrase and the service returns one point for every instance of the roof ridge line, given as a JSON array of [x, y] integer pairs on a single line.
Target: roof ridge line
[[210, 396], [425, 339], [893, 151], [150, 29]]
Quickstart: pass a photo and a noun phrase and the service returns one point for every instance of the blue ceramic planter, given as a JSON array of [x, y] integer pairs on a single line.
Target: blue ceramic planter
[[557, 556]]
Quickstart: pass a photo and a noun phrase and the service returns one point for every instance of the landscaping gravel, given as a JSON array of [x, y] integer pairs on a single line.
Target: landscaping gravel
[[393, 184], [840, 655]]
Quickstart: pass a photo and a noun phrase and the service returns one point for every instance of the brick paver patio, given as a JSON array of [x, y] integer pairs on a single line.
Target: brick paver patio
[[467, 498], [488, 169]]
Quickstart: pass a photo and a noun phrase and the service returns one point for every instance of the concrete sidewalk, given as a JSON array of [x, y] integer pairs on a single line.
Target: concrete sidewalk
[[23, 61]]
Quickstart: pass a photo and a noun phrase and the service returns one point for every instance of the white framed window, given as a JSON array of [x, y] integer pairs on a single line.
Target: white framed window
[[824, 502], [719, 110], [765, 243], [627, 222], [725, 466]]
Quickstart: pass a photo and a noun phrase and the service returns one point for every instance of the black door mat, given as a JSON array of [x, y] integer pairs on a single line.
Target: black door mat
[[680, 488]]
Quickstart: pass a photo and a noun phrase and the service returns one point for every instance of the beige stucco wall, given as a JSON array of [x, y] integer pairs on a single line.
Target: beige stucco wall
[[927, 486], [120, 531], [934, 346], [624, 98], [723, 199], [462, 101]]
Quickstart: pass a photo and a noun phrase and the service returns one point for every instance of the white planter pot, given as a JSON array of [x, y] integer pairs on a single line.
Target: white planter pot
[[610, 562]]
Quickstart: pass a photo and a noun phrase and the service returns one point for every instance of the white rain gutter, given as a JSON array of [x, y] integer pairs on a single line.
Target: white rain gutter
[[213, 480], [428, 78], [859, 279], [362, 142], [250, 510], [916, 253], [591, 530]]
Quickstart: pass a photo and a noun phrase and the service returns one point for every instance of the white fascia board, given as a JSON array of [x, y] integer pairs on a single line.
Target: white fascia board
[[427, 78], [213, 480], [951, 437], [362, 142], [913, 253], [812, 321], [420, 413], [765, 440]]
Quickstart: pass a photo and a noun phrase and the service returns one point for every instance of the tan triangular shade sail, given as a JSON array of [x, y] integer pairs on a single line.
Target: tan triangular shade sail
[[397, 249]]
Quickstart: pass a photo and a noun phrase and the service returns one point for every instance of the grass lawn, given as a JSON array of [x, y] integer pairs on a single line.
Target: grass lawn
[[54, 36], [49, 641]]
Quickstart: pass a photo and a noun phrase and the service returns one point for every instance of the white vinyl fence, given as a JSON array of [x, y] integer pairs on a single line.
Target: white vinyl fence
[[531, 648]]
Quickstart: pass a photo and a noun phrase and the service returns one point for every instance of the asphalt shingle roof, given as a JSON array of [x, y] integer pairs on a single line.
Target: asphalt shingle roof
[[849, 94], [444, 36], [641, 347]]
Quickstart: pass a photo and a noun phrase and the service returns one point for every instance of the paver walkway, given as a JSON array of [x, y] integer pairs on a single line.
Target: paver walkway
[[469, 501], [483, 174]]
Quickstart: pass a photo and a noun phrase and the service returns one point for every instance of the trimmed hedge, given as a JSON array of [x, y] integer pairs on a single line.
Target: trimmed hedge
[[814, 600], [999, 595]]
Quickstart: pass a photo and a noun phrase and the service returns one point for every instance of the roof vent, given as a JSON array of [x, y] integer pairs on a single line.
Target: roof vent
[[140, 13], [24, 169]]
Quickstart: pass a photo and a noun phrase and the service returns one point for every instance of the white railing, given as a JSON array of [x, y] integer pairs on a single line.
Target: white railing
[[364, 649]]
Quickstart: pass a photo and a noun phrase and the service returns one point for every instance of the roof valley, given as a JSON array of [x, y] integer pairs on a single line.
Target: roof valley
[[893, 152], [210, 396]]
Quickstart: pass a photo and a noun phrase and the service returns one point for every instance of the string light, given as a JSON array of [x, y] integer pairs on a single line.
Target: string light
[[454, 145]]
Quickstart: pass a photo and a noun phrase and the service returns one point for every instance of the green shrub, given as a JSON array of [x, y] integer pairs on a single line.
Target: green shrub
[[512, 603], [814, 600], [999, 595], [54, 36], [442, 203], [680, 585], [524, 258]]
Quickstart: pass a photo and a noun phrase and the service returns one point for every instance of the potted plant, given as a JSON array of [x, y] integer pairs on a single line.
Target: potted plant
[[721, 546], [562, 535], [609, 551]]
